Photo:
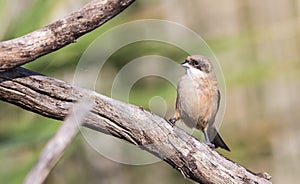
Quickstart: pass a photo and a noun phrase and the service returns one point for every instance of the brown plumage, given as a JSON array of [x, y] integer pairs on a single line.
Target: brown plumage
[[198, 99]]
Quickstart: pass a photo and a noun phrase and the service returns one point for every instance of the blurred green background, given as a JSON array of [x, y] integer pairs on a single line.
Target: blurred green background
[[257, 45]]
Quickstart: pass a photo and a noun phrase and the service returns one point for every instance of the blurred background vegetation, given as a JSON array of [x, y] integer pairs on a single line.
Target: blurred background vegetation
[[257, 45]]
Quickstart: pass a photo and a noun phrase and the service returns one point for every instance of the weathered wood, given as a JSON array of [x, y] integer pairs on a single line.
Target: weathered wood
[[53, 98], [60, 33], [58, 143]]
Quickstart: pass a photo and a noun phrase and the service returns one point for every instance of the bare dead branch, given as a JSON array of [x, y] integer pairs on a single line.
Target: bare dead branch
[[57, 145], [52, 98], [60, 33]]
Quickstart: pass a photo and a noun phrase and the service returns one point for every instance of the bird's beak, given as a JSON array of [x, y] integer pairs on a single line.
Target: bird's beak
[[185, 65]]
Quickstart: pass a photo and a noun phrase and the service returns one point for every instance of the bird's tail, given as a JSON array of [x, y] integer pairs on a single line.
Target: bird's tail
[[217, 140]]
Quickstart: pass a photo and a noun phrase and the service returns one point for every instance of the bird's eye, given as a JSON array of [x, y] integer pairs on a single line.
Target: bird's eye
[[196, 63]]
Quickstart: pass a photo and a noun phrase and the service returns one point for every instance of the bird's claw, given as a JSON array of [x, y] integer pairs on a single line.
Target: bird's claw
[[172, 120], [211, 145]]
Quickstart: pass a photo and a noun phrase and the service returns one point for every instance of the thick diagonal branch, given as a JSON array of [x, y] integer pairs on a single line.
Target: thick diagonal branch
[[53, 98], [60, 33]]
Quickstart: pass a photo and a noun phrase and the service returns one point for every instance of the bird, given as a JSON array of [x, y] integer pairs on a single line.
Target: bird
[[198, 99]]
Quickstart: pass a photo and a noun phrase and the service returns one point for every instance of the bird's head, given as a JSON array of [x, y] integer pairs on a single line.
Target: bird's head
[[197, 65]]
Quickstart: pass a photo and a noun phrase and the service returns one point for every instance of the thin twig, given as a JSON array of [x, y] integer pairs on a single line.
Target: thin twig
[[58, 143]]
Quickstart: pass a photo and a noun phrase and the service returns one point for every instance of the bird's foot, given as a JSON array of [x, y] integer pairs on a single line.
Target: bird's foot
[[211, 145], [172, 120]]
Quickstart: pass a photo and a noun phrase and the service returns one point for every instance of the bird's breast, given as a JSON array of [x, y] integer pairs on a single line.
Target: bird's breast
[[195, 98]]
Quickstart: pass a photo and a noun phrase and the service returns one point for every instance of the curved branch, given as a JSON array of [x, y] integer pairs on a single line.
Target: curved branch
[[53, 98], [60, 33]]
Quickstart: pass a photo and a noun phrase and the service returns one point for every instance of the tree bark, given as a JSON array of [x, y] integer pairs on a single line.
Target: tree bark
[[60, 33], [53, 98]]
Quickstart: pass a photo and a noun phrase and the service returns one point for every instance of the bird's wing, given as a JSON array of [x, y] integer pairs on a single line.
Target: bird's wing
[[219, 99]]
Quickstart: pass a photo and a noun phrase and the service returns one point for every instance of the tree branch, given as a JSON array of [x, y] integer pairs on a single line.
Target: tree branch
[[53, 98], [60, 33], [57, 145]]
